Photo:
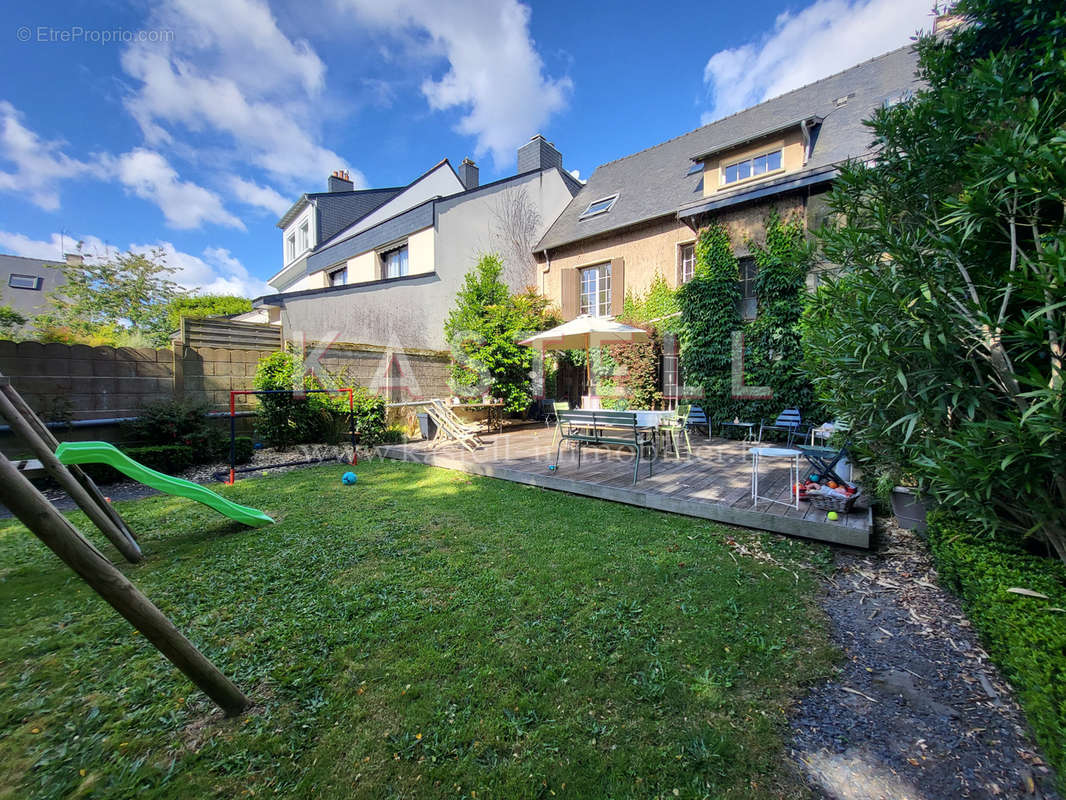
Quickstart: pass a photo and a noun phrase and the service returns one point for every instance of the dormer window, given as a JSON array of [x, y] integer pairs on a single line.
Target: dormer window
[[290, 248], [305, 236], [751, 167], [601, 206]]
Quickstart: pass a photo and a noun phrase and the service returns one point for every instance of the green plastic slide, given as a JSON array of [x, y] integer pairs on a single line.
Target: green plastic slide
[[104, 453]]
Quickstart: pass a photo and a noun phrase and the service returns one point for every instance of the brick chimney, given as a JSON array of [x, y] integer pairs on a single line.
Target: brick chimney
[[340, 182], [468, 173], [538, 153], [74, 259]]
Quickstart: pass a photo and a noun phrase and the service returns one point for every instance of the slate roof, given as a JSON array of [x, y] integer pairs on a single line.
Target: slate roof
[[654, 183]]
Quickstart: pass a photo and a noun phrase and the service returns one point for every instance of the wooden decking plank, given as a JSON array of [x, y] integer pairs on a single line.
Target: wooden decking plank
[[714, 483]]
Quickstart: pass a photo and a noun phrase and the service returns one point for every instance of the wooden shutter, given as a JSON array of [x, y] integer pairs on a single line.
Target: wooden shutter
[[618, 285], [569, 292]]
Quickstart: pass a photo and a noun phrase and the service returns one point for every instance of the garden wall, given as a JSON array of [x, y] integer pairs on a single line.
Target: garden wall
[[65, 383], [72, 382]]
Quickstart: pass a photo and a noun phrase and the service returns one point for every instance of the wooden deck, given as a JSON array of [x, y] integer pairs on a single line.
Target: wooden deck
[[714, 483]]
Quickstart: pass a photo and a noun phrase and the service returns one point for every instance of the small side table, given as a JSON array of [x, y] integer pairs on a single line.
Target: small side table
[[747, 427], [759, 453]]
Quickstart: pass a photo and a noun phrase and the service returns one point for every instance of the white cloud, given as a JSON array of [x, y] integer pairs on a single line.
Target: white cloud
[[495, 74], [825, 37], [184, 204], [55, 248], [40, 166], [216, 271], [232, 73], [253, 194]]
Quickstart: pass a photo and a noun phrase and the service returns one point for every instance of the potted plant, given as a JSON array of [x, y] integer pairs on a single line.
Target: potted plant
[[909, 504]]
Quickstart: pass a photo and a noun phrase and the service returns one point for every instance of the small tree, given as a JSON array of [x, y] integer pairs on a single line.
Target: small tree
[[483, 330], [128, 293]]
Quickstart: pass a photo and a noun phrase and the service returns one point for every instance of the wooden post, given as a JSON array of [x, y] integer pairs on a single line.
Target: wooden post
[[79, 474], [52, 528], [100, 518]]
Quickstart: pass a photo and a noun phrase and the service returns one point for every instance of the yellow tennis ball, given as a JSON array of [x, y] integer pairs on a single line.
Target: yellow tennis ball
[[832, 515]]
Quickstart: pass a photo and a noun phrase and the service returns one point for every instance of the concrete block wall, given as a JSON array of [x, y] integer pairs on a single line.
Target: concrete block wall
[[398, 376], [207, 375], [63, 382]]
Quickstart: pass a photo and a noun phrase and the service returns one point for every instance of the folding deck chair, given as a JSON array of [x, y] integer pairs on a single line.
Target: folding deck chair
[[451, 429], [825, 460]]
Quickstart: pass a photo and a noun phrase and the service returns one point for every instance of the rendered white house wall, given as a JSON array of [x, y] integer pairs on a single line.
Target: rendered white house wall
[[408, 313]]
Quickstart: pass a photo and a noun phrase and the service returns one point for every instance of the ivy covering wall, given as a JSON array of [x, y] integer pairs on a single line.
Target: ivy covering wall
[[710, 314]]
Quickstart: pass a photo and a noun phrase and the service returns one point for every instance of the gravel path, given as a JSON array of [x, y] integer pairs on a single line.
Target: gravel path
[[917, 712]]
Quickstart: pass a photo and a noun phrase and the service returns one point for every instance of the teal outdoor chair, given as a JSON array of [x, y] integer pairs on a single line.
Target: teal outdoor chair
[[675, 429]]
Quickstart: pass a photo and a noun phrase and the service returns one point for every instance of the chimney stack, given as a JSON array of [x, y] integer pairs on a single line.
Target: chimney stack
[[74, 259], [538, 153], [468, 174], [339, 182]]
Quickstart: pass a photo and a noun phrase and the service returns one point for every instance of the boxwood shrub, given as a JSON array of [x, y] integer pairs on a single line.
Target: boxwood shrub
[[1025, 636]]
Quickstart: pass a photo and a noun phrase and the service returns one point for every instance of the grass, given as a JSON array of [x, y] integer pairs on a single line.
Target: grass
[[423, 633]]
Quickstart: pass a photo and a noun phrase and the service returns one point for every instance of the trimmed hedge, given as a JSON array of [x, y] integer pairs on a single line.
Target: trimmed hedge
[[1026, 636]]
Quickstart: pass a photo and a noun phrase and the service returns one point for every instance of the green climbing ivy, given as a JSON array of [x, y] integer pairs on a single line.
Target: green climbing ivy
[[773, 352]]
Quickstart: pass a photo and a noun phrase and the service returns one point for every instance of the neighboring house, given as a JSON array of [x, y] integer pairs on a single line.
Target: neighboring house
[[638, 216], [389, 276], [28, 282]]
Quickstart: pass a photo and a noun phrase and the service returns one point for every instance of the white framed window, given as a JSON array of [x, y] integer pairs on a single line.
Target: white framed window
[[596, 290], [394, 263], [290, 248], [751, 167], [686, 262], [17, 281], [303, 243], [601, 206], [339, 277], [749, 304]]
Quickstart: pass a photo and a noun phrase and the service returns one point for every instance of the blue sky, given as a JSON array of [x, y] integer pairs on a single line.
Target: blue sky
[[190, 125]]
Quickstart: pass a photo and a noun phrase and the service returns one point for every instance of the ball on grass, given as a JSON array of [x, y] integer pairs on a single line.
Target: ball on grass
[[348, 478], [832, 515]]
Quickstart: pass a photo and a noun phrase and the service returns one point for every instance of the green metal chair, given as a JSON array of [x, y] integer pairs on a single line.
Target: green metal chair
[[557, 406], [676, 428]]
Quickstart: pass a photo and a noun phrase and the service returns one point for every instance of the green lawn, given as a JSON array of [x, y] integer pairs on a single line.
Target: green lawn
[[421, 634]]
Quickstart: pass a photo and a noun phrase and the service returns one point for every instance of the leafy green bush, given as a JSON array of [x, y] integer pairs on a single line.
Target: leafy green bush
[[369, 416], [640, 379], [244, 449], [287, 419], [171, 422], [1025, 635]]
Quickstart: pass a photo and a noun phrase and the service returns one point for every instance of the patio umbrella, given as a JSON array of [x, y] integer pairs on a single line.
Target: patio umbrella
[[586, 332]]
